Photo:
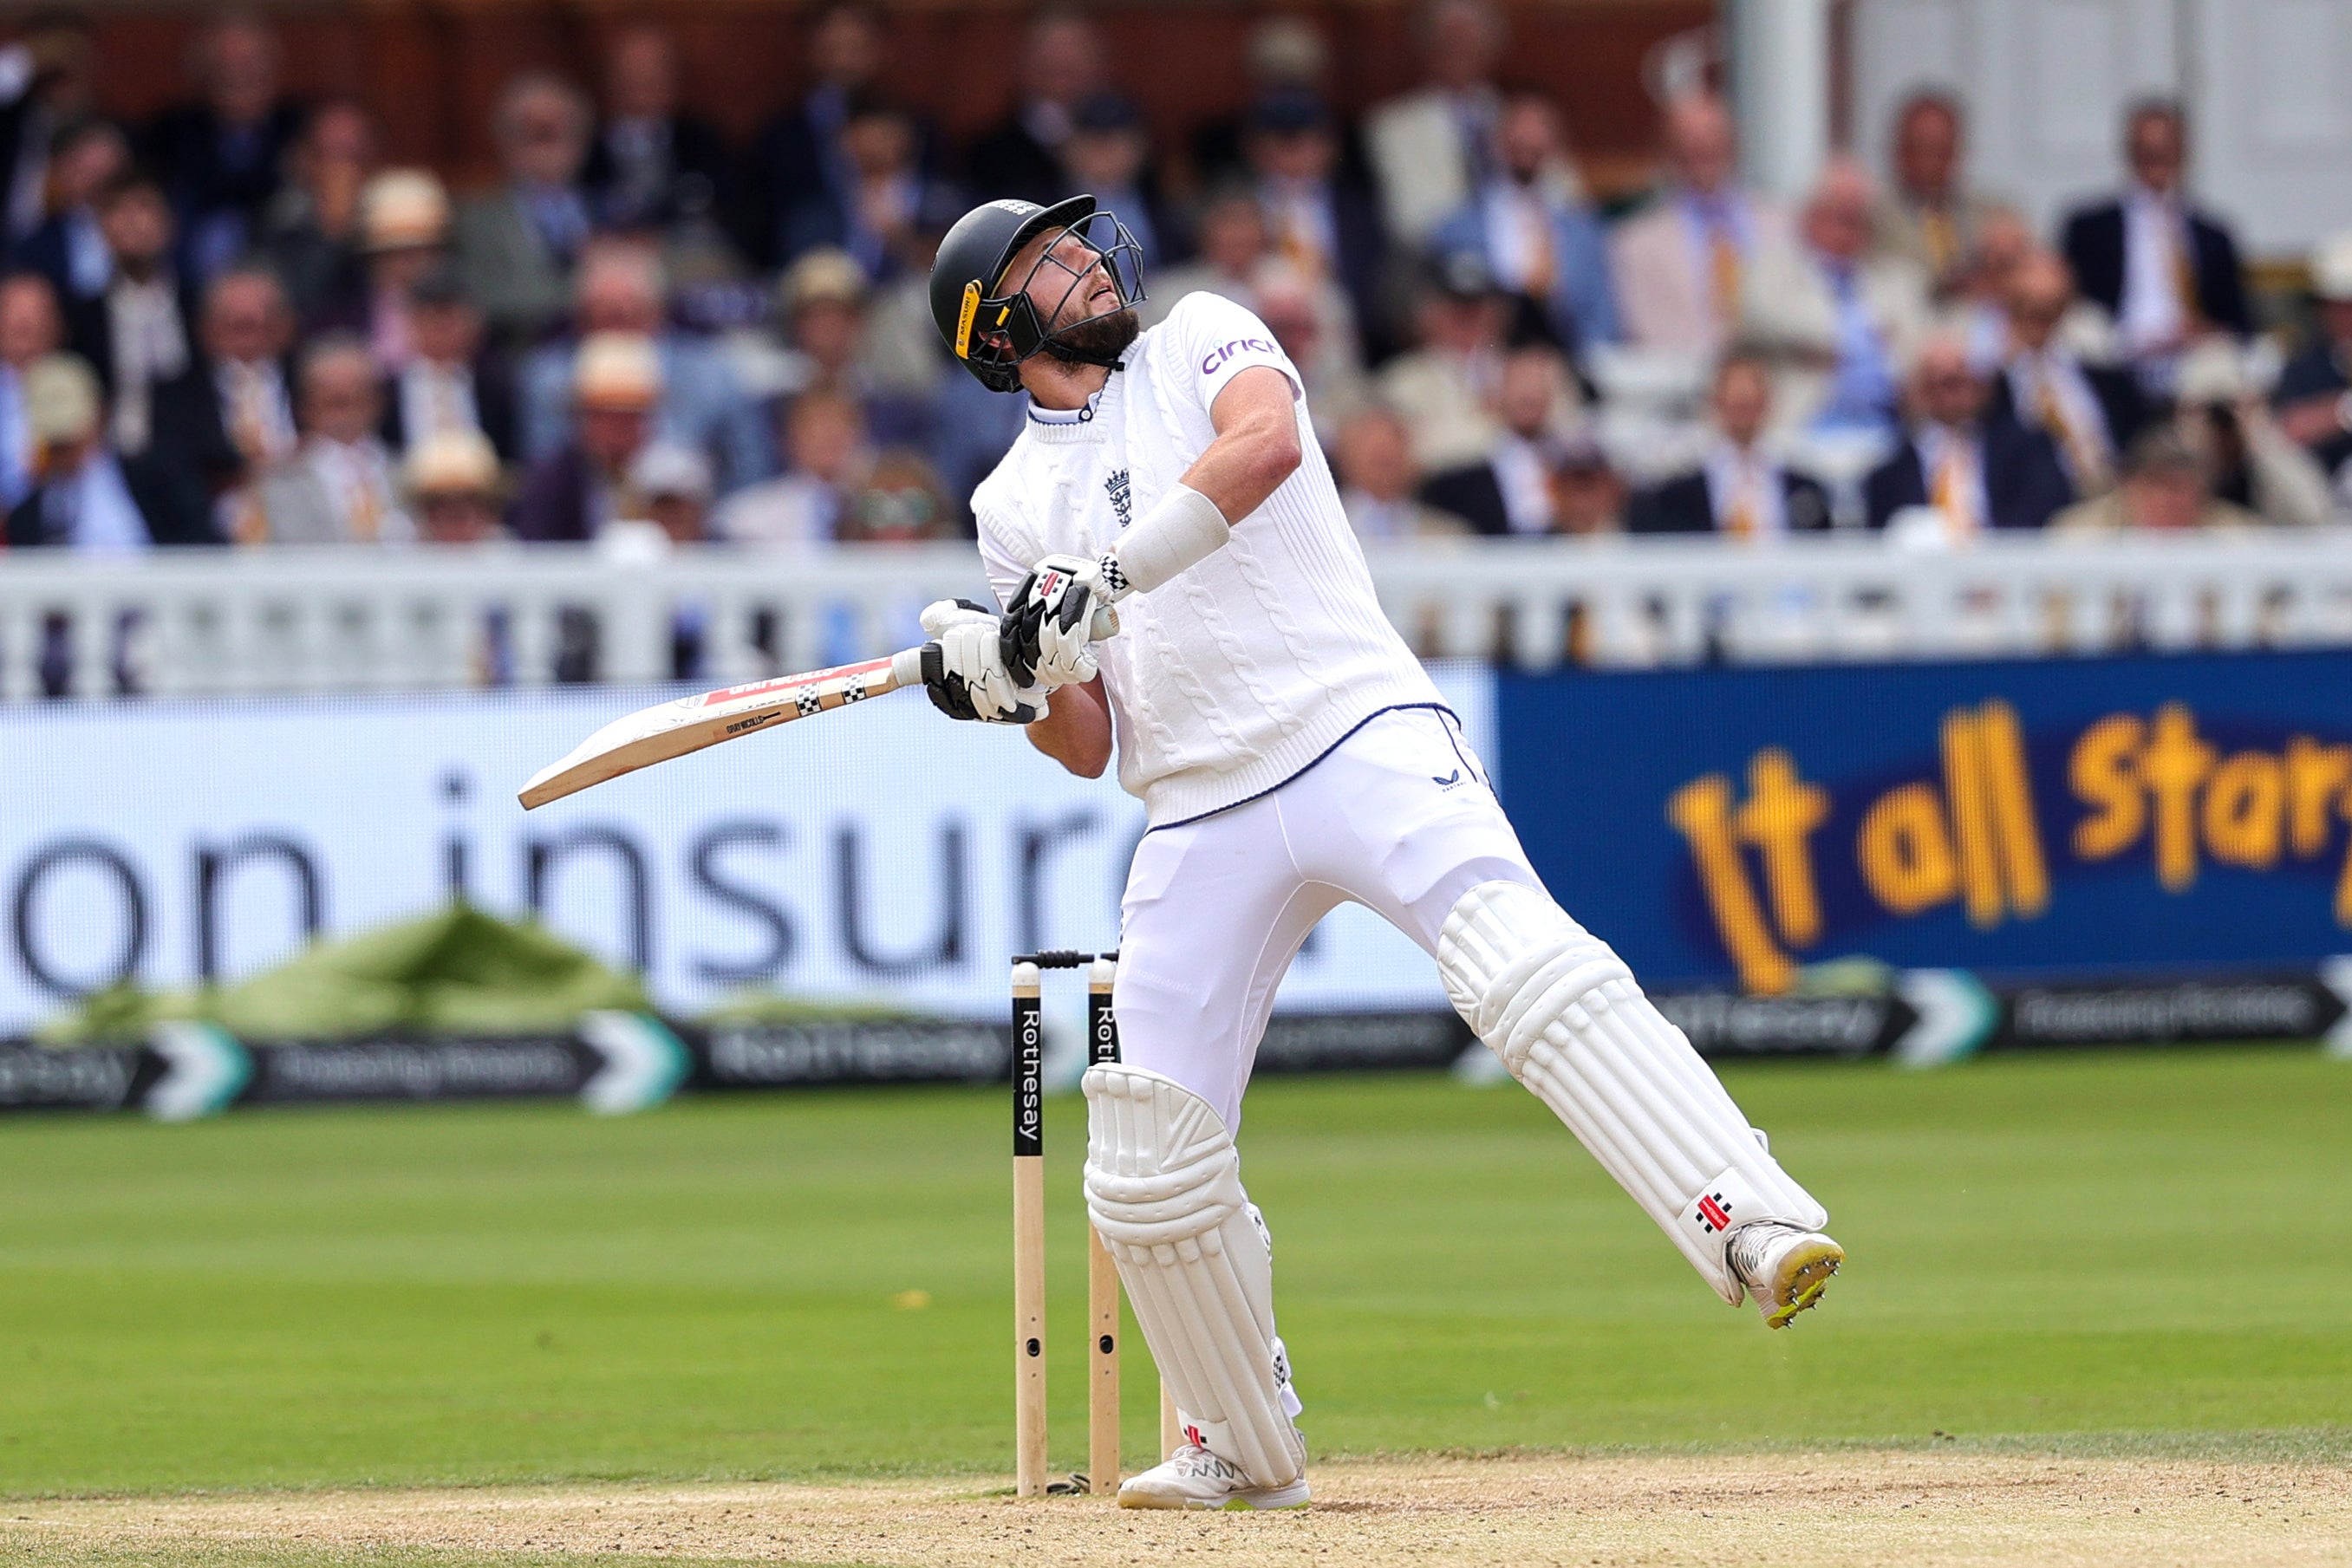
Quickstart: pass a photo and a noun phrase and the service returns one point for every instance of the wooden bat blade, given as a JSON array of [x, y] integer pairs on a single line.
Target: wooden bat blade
[[673, 729]]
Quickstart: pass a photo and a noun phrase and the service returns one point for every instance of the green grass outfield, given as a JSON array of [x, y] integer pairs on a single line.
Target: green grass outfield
[[2134, 1249]]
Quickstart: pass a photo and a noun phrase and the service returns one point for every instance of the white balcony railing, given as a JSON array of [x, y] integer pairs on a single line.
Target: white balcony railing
[[344, 620]]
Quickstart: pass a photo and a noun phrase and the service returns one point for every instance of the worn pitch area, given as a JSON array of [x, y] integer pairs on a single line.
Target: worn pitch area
[[1847, 1508]]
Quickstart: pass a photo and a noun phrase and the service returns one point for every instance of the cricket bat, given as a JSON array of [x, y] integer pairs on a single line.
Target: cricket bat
[[671, 729]]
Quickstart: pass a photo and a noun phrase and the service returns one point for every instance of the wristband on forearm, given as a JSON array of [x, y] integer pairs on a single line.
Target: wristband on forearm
[[1184, 529]]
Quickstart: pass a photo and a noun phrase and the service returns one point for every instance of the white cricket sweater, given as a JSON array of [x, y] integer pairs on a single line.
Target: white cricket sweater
[[1238, 675]]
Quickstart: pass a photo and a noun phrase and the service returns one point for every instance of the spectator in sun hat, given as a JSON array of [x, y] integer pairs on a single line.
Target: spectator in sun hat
[[90, 497], [827, 308], [623, 287], [2248, 459], [574, 491], [454, 490], [2164, 487], [401, 233], [2311, 397]]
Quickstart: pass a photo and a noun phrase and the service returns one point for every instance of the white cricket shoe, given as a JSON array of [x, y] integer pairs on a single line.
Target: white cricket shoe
[[1195, 1477], [1785, 1267]]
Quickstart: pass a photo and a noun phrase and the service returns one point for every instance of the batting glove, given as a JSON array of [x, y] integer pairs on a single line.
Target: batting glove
[[1061, 608], [964, 671]]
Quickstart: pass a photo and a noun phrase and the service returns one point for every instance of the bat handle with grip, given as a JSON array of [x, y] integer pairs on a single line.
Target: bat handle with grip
[[926, 666]]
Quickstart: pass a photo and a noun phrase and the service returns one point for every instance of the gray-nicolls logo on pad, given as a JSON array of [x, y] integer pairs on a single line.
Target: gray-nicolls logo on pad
[[1122, 500]]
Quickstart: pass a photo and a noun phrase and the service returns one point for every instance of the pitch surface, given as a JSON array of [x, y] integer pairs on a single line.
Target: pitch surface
[[2113, 1258]]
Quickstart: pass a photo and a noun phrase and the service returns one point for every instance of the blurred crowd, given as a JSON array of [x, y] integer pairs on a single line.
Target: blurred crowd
[[236, 325]]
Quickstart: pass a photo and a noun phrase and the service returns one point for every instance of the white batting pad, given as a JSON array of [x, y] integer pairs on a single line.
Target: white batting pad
[[1164, 1187], [1565, 1014]]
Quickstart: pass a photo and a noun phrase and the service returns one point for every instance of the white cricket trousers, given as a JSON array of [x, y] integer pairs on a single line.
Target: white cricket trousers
[[1398, 816]]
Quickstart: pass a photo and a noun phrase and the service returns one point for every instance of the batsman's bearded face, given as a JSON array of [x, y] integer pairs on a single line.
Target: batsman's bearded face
[[1069, 285]]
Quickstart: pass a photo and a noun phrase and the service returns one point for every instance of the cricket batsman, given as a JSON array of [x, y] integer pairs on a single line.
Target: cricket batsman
[[1293, 755]]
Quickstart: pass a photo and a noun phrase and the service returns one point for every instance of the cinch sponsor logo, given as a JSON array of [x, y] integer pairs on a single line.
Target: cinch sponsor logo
[[1256, 345]]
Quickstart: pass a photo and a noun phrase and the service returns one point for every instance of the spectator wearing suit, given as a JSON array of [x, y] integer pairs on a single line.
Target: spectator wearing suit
[[1742, 491], [1283, 53], [2089, 411], [1590, 495], [310, 232], [651, 164], [622, 289], [69, 247], [1509, 491], [45, 89], [1379, 486], [1432, 150], [798, 158], [2310, 398], [402, 236], [1302, 316], [1328, 230], [516, 246], [453, 381], [221, 157], [1929, 215], [340, 486], [671, 486], [884, 205], [135, 333], [2166, 271], [825, 304], [1445, 386], [826, 450], [1977, 468], [30, 331], [1833, 318], [1059, 63], [1230, 233], [1108, 155], [1541, 243], [242, 422], [2248, 459], [90, 499], [575, 491], [2164, 488], [1680, 263]]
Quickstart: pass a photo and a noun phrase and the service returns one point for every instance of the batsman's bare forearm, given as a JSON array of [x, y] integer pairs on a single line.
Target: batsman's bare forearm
[[1076, 730], [1256, 446]]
